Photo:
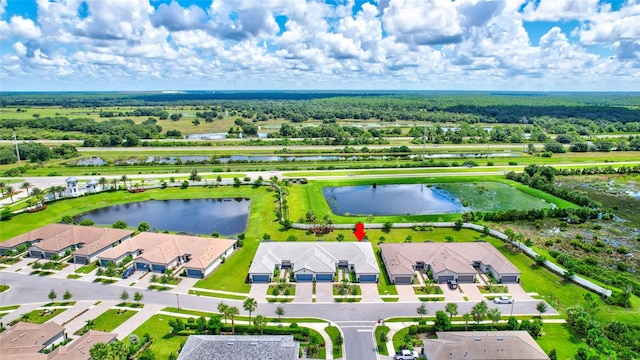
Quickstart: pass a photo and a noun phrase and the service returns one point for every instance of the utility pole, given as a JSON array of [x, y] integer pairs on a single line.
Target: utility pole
[[15, 142]]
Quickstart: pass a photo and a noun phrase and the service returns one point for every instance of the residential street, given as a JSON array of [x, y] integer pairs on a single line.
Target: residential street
[[355, 319]]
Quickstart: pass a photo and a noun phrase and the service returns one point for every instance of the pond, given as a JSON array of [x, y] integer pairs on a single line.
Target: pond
[[414, 199], [421, 199], [197, 216]]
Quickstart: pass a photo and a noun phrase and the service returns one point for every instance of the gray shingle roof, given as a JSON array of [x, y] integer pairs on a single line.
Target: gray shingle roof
[[215, 347], [318, 257]]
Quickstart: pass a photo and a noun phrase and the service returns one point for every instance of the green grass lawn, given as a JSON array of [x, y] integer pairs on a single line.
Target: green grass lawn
[[333, 333], [382, 346], [42, 316], [112, 318], [164, 344], [85, 269], [4, 288], [9, 307], [217, 295], [560, 337]]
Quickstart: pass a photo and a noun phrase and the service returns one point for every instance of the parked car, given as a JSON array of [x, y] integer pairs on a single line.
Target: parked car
[[128, 272], [406, 355], [452, 284], [503, 300]]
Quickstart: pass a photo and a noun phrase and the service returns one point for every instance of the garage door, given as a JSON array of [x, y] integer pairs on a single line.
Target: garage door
[[444, 278], [81, 259], [368, 278], [509, 279], [158, 268], [35, 254], [324, 277], [304, 277], [403, 280], [142, 266], [194, 273], [465, 278], [260, 279]]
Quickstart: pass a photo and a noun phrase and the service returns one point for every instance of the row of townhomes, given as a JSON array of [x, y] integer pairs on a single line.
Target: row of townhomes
[[308, 261], [157, 252]]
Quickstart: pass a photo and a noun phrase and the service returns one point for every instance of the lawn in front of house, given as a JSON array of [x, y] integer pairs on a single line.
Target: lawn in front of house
[[41, 316], [112, 318]]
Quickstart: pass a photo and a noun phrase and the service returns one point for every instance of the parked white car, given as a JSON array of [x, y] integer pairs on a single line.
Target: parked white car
[[503, 300], [406, 355]]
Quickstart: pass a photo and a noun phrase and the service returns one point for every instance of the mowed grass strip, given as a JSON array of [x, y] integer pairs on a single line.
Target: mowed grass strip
[[112, 318]]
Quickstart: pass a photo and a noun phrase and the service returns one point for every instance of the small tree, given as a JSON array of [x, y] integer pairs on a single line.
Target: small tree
[[67, 296], [494, 316], [466, 317], [222, 309], [260, 322], [541, 307], [479, 311], [144, 226], [250, 305], [119, 224], [279, 311], [124, 296], [422, 310], [52, 295], [232, 312], [442, 322], [451, 309], [137, 297]]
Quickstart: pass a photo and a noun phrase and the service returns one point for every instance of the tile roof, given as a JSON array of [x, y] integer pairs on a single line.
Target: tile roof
[[55, 237], [163, 248], [485, 345], [218, 347], [28, 338], [314, 256], [456, 257], [79, 348]]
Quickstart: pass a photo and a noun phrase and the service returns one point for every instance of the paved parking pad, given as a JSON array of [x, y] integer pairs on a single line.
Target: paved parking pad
[[451, 295], [517, 292], [472, 292], [370, 293], [324, 292], [406, 293], [304, 292]]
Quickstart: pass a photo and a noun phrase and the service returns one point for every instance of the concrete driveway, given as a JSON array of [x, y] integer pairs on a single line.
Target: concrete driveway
[[304, 292], [370, 293], [406, 293], [259, 292], [471, 292], [324, 292], [451, 295], [517, 292]]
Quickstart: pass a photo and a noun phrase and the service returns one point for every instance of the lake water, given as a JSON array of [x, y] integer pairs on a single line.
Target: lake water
[[414, 199], [95, 161], [198, 216]]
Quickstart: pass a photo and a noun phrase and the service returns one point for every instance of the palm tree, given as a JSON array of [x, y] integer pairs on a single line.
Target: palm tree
[[11, 191], [115, 183], [222, 309], [124, 179], [26, 185], [250, 305], [479, 311], [466, 317], [452, 309], [36, 191], [232, 312], [102, 182], [260, 322], [495, 316], [60, 189], [3, 187], [53, 191], [90, 324]]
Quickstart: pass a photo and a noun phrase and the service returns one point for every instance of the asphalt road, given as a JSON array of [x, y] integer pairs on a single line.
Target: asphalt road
[[356, 320]]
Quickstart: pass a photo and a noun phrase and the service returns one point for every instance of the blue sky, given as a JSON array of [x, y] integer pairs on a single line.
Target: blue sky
[[539, 45]]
